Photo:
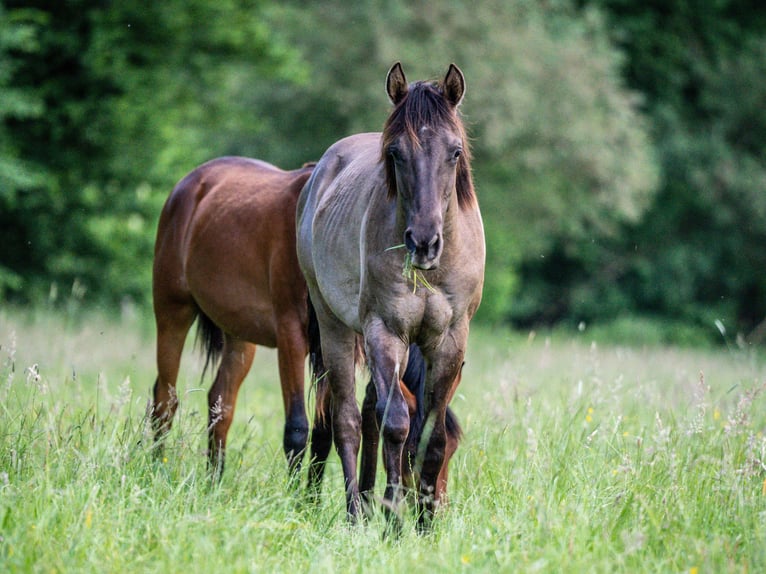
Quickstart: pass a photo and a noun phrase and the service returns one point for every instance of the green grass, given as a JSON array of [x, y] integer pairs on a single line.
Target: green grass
[[576, 458]]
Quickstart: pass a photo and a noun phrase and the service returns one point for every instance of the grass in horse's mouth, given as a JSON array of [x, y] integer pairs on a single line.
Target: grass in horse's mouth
[[411, 273]]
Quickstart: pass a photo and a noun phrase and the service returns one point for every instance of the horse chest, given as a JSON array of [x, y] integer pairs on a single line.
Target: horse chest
[[437, 312], [414, 313]]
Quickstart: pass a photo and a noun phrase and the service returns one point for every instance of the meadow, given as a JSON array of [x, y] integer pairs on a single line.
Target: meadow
[[578, 456]]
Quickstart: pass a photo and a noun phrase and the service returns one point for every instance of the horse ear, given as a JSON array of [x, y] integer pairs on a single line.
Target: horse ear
[[396, 84], [454, 85]]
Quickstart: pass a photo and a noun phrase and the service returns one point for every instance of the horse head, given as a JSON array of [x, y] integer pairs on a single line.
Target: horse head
[[426, 157]]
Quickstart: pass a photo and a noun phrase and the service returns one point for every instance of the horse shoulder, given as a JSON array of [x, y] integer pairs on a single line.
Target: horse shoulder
[[331, 214]]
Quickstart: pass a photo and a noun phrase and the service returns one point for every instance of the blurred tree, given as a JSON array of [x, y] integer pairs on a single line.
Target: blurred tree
[[111, 101], [17, 36], [696, 256]]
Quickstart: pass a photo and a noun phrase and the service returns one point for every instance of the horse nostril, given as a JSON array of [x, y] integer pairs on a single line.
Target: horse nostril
[[409, 242], [422, 248], [434, 245]]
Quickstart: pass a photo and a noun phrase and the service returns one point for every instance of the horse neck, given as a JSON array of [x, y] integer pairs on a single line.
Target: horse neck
[[451, 228]]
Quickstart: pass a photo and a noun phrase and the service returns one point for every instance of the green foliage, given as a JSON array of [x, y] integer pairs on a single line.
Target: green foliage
[[695, 255], [17, 35], [112, 107]]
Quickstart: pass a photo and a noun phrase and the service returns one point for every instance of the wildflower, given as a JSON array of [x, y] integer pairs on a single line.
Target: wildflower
[[589, 415], [740, 418], [216, 411], [33, 374]]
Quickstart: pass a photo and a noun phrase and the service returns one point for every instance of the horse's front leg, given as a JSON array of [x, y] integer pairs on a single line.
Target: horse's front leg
[[443, 378], [387, 358]]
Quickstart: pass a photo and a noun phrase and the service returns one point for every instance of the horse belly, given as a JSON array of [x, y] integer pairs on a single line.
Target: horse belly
[[241, 308], [336, 255], [229, 281], [343, 301]]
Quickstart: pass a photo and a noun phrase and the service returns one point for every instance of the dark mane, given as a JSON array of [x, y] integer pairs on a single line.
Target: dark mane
[[425, 105]]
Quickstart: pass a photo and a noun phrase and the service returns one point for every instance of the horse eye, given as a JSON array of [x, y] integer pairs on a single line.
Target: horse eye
[[394, 153], [456, 154]]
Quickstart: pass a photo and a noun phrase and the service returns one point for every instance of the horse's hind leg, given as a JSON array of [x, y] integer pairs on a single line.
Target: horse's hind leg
[[321, 432], [321, 438], [370, 441], [237, 357], [173, 323]]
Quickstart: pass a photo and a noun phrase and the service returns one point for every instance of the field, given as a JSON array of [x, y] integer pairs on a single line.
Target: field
[[577, 457]]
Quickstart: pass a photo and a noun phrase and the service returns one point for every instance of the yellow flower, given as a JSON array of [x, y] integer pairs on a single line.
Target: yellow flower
[[465, 559], [88, 518], [763, 490], [694, 570], [589, 416], [716, 414], [164, 459]]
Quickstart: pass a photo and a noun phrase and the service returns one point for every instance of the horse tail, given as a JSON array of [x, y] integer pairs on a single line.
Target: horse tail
[[414, 378], [316, 362], [209, 340], [454, 430]]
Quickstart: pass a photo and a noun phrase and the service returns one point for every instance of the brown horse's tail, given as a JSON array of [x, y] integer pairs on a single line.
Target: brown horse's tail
[[209, 340], [414, 378], [316, 363]]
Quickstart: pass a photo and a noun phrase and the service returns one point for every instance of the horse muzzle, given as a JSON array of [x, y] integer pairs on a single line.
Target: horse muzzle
[[425, 251]]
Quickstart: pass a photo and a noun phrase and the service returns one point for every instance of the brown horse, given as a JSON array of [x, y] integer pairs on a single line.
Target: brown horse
[[370, 194], [225, 255]]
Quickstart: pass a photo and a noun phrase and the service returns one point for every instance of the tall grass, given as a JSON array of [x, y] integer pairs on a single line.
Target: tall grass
[[576, 458]]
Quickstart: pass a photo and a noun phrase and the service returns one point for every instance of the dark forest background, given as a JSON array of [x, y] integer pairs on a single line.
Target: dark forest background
[[620, 145]]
